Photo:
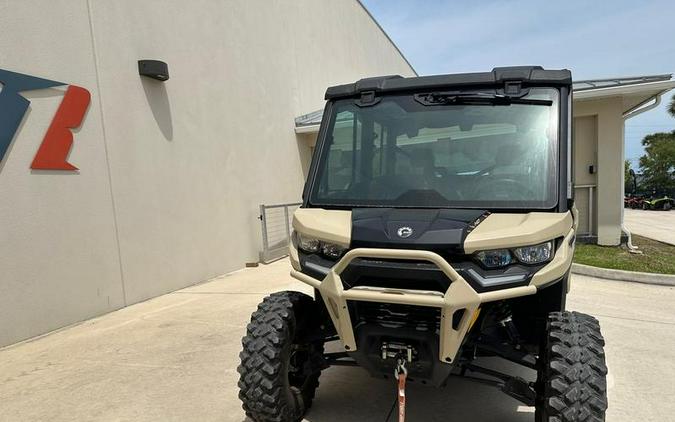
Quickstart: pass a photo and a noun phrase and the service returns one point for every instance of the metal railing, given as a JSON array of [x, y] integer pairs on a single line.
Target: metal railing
[[276, 230]]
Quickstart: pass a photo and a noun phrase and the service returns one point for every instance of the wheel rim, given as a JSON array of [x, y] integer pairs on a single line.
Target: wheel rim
[[300, 369]]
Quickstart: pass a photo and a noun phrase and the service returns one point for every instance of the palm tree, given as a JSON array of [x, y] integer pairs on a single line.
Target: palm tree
[[671, 107]]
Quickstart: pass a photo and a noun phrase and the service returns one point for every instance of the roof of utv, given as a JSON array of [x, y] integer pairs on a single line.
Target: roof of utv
[[527, 75]]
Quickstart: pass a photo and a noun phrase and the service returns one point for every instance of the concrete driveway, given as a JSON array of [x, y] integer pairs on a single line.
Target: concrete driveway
[[174, 358], [657, 225]]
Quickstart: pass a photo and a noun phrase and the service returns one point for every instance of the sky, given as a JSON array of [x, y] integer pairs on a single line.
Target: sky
[[594, 39]]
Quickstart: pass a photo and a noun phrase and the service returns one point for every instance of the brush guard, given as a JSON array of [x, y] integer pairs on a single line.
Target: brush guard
[[459, 297]]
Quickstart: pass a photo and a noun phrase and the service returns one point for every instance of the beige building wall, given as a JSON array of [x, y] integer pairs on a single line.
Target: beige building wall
[[171, 175], [59, 260], [601, 122], [585, 182]]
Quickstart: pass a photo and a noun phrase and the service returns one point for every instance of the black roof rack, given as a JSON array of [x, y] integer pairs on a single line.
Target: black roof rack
[[527, 75]]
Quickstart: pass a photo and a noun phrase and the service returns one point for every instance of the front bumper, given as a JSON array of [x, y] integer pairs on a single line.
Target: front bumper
[[460, 296]]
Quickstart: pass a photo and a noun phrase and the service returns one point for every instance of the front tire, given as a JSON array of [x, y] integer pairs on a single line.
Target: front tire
[[571, 380], [279, 370]]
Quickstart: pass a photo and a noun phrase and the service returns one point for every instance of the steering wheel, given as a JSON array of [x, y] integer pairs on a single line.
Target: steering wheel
[[397, 150], [503, 190]]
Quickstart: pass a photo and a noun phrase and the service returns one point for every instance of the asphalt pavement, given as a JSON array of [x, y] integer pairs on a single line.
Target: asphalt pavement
[[657, 225]]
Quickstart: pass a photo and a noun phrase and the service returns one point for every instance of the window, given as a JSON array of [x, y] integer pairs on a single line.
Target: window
[[402, 152]]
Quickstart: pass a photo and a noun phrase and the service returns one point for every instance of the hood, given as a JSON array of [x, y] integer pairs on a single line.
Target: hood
[[425, 229]]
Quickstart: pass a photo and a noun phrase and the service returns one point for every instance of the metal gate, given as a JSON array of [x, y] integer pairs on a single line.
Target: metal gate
[[584, 199], [276, 230]]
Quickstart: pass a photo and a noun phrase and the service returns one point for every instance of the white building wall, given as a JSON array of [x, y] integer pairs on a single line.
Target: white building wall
[[171, 174]]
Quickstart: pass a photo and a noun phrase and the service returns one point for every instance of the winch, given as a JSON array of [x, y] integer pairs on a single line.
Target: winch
[[395, 350]]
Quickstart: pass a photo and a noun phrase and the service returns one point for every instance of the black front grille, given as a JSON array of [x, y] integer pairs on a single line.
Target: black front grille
[[395, 274], [388, 315]]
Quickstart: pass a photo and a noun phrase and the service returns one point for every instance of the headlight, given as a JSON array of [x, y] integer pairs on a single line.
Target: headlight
[[331, 250], [313, 245], [534, 254], [308, 244], [494, 259]]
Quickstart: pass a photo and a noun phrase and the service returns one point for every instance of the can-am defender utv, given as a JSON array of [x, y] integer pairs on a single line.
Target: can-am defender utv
[[437, 226]]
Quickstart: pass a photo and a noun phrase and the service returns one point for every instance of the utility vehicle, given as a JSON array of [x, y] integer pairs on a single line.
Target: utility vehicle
[[437, 228], [663, 203]]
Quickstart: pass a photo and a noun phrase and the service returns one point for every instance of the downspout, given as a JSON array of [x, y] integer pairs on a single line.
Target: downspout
[[628, 114]]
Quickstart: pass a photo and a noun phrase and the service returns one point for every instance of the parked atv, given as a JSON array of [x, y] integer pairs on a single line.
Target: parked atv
[[664, 203], [437, 227], [633, 202], [636, 204]]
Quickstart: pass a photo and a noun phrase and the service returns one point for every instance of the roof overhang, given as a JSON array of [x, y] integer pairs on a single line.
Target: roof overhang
[[308, 128], [632, 96], [308, 123]]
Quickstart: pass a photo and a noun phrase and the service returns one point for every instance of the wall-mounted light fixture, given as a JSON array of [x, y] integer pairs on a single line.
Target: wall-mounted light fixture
[[154, 69]]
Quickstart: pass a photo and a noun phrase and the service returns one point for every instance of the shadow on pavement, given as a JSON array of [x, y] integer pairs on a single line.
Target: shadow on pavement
[[350, 394]]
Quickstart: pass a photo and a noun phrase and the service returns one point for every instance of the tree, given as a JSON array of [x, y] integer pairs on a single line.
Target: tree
[[628, 182], [658, 164], [671, 107]]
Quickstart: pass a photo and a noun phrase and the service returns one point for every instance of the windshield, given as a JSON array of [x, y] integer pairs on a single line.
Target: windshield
[[438, 151]]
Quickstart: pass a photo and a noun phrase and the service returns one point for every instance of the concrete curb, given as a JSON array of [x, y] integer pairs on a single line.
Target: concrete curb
[[634, 276]]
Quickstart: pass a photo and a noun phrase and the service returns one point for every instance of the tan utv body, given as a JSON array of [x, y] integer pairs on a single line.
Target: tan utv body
[[497, 231], [437, 229]]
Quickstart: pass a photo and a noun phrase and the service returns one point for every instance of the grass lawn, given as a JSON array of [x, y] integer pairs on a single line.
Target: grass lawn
[[657, 257]]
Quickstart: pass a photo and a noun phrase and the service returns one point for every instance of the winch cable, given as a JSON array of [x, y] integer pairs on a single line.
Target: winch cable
[[391, 409], [400, 374]]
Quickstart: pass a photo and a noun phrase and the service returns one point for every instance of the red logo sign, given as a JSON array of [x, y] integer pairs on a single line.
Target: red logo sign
[[56, 145], [54, 150]]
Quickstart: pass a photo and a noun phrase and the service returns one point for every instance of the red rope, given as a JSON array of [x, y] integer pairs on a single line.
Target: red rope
[[401, 397]]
